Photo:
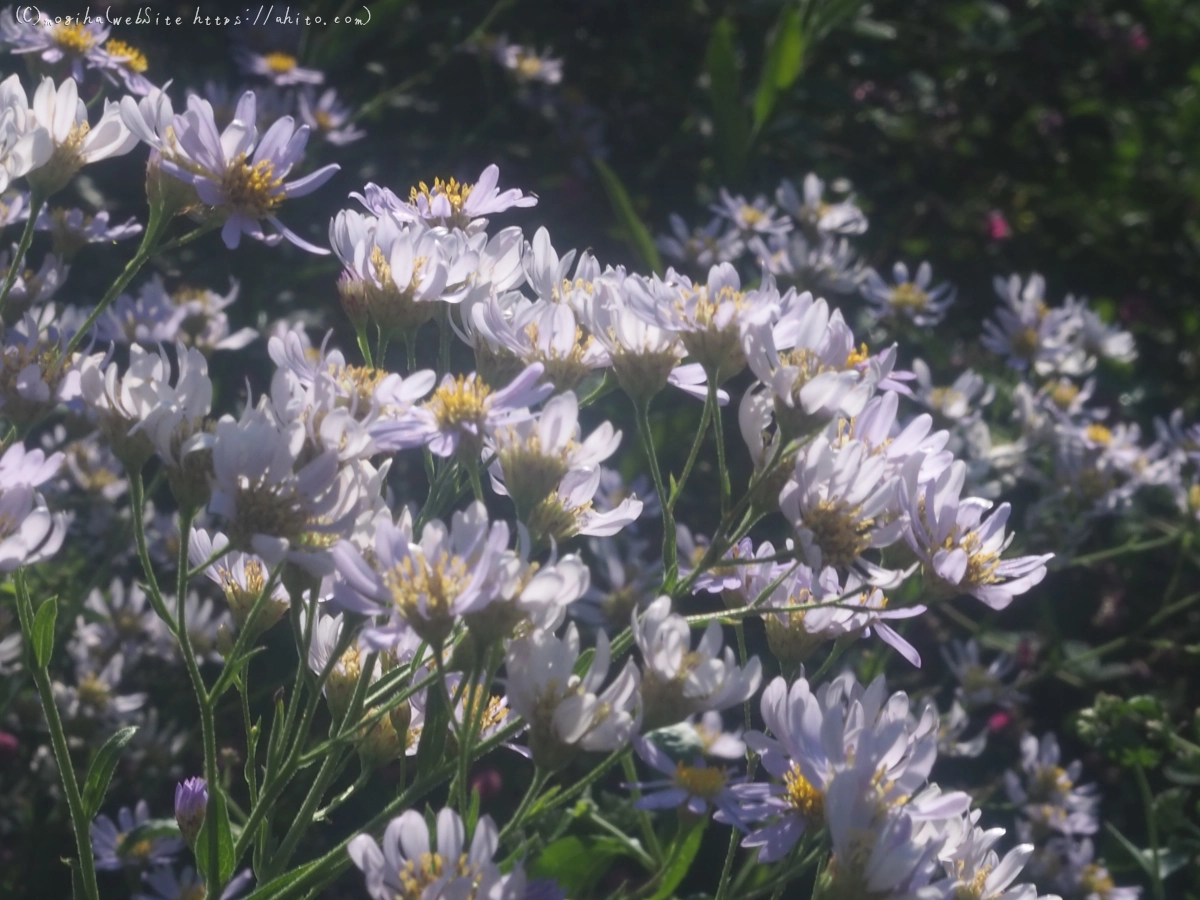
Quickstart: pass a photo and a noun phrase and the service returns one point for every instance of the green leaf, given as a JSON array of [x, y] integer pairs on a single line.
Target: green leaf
[[680, 858], [638, 234], [785, 59], [577, 863], [43, 631], [101, 770], [432, 744], [725, 89], [217, 816]]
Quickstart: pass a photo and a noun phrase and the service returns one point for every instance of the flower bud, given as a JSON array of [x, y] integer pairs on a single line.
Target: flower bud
[[191, 802]]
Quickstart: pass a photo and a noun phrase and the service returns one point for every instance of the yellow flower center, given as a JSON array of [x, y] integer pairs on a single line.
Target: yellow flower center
[[528, 65], [1096, 880], [752, 216], [280, 63], [803, 796], [838, 531], [455, 192], [93, 692], [132, 58], [1064, 393], [943, 398], [700, 781], [425, 590], [1050, 781], [909, 297], [418, 874], [460, 402], [324, 120], [1025, 343], [252, 190], [73, 38], [1098, 434], [973, 890]]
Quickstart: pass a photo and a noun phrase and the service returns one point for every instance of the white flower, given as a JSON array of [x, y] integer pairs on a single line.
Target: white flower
[[569, 510], [960, 549], [839, 500], [567, 712], [958, 403], [678, 681], [912, 299], [329, 118], [76, 142], [280, 68], [751, 218], [532, 457], [843, 217], [426, 585], [704, 246], [527, 65], [1027, 332], [29, 532], [24, 143], [238, 175], [808, 360], [710, 318], [463, 410], [274, 503], [410, 867], [451, 204], [242, 577]]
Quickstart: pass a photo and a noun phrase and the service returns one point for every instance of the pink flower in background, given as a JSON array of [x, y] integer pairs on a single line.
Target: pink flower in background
[[997, 226]]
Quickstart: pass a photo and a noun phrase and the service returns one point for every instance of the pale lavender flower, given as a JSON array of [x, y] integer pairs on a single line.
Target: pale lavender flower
[[910, 298], [1050, 795], [463, 410], [241, 177], [451, 203], [28, 30], [113, 851], [702, 246], [328, 117], [677, 680], [425, 585], [164, 884], [29, 532], [751, 218], [960, 549], [410, 864], [696, 787], [280, 68], [72, 229], [527, 65], [810, 208]]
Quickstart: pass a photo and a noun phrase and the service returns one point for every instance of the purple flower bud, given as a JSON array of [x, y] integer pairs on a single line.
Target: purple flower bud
[[191, 801]]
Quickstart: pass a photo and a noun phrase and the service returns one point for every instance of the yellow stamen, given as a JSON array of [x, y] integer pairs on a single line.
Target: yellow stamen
[[280, 63], [253, 190], [700, 781], [132, 58], [73, 38], [804, 797]]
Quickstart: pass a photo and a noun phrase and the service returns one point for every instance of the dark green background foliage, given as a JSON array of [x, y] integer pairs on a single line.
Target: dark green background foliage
[[1078, 122]]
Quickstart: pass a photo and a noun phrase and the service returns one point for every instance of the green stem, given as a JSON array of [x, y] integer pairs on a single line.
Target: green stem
[[1124, 549], [641, 407], [643, 817], [155, 227], [62, 754], [1152, 827], [137, 502], [36, 200], [719, 429], [691, 460], [535, 787]]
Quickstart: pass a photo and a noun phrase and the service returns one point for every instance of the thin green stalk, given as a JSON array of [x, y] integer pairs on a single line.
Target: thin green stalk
[[719, 429], [154, 229], [540, 778], [643, 817], [36, 200], [1152, 827], [137, 502], [695, 451], [58, 738], [1132, 547], [641, 407]]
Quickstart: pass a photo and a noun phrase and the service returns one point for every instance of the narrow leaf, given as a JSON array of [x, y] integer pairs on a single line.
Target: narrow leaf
[[217, 816], [43, 631], [725, 88], [680, 859], [102, 767], [785, 59], [637, 232], [432, 744]]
